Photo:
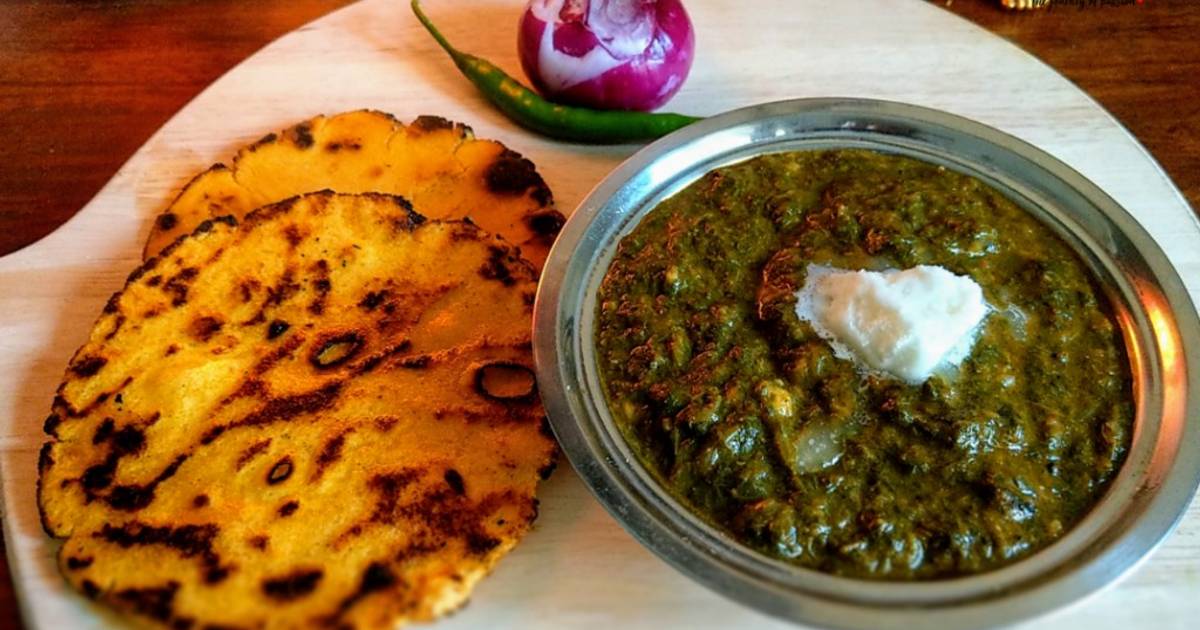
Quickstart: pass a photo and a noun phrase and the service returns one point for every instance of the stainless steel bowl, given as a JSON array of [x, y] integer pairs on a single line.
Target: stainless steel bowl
[[1159, 321]]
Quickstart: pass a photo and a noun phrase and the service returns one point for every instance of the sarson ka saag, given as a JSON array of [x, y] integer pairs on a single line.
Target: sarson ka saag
[[748, 414]]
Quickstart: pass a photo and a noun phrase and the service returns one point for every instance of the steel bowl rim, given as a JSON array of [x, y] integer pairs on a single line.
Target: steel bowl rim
[[669, 529]]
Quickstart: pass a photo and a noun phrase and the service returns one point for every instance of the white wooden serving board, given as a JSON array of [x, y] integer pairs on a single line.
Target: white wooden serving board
[[578, 569]]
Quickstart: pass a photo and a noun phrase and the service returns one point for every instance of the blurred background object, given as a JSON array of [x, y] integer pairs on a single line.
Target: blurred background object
[[1025, 4]]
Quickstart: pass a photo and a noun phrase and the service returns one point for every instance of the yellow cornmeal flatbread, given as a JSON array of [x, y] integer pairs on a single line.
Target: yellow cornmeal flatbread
[[438, 165], [323, 415]]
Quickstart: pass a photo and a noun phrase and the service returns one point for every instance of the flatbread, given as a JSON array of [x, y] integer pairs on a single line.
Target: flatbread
[[320, 416], [440, 166]]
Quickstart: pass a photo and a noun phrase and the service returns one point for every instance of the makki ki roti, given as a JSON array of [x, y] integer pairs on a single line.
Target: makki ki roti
[[323, 414], [440, 166]]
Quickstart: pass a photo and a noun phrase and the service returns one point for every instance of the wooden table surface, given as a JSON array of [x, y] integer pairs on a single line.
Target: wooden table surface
[[84, 84]]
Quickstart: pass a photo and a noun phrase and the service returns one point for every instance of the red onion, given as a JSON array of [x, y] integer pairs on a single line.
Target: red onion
[[607, 54]]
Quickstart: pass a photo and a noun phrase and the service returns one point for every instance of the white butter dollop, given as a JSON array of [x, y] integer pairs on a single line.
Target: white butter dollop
[[905, 323]]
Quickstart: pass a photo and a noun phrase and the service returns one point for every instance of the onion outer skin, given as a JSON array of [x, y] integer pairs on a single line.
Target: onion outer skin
[[642, 82]]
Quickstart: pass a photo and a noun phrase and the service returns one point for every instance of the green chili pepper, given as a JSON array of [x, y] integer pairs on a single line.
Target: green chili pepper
[[529, 110]]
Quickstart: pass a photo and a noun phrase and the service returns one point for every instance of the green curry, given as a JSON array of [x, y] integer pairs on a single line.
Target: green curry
[[745, 414]]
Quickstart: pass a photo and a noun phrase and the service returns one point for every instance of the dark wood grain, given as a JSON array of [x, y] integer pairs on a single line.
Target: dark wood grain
[[84, 84], [1140, 61]]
